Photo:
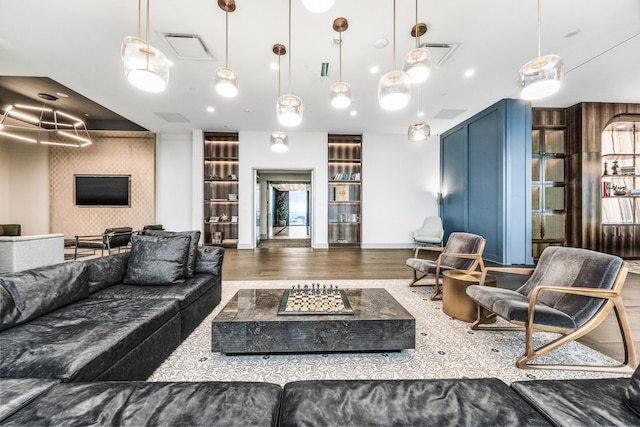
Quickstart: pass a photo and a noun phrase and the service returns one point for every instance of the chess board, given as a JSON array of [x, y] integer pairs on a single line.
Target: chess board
[[314, 300]]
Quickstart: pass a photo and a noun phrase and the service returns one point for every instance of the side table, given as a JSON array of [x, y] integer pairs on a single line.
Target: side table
[[455, 301]]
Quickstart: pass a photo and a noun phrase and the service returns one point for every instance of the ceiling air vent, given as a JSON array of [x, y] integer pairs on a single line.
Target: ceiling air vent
[[187, 46], [440, 52], [172, 117], [448, 114]]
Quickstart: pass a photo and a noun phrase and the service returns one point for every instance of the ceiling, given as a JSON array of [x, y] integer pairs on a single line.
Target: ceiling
[[76, 43]]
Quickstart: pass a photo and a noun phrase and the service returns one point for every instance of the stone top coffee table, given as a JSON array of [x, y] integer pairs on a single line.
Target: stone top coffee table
[[249, 324]]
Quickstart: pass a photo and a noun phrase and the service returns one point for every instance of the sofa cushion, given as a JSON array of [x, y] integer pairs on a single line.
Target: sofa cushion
[[106, 271], [155, 404], [584, 402], [186, 292], [209, 260], [18, 393], [157, 260], [477, 402], [29, 294], [80, 341], [193, 245], [632, 395]]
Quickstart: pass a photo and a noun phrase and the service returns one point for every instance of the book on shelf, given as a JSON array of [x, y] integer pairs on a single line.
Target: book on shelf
[[341, 193]]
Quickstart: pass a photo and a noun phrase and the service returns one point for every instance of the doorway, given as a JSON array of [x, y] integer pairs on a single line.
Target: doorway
[[285, 208]]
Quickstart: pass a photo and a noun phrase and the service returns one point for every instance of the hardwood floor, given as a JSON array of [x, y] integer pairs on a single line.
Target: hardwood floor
[[313, 264]]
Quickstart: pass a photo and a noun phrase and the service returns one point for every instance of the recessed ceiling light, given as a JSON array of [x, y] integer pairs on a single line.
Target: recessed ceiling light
[[381, 42], [375, 69], [246, 110], [211, 109], [274, 66], [62, 94], [469, 73], [420, 114], [353, 113]]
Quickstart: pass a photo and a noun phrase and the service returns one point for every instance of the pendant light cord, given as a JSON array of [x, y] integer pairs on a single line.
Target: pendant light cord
[[416, 27], [290, 47], [139, 16], [394, 34], [340, 55], [538, 28], [147, 25], [226, 24]]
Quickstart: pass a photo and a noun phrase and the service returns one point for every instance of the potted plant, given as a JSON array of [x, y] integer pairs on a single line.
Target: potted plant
[[282, 208]]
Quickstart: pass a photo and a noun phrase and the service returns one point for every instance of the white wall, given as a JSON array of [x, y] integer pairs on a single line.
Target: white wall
[[307, 151], [175, 202], [399, 183], [24, 191]]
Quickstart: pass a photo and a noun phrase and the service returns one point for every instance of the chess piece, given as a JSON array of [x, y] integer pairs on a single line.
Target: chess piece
[[606, 172]]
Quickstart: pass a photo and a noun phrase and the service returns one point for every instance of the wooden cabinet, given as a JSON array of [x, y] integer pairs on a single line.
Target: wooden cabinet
[[548, 200], [620, 186], [221, 164], [345, 180]]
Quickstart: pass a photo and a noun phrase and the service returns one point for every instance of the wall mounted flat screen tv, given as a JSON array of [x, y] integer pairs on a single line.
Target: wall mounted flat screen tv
[[102, 190]]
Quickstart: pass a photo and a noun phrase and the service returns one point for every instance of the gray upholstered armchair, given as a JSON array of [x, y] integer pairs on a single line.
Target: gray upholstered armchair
[[571, 292], [463, 251]]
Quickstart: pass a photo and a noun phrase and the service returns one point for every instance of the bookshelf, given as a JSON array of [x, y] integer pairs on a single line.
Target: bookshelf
[[345, 181], [221, 163], [621, 186]]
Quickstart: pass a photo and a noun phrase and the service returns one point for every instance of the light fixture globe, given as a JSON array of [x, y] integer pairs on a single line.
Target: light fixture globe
[[394, 90], [279, 141], [417, 63], [226, 82], [419, 132], [540, 77], [340, 95], [318, 6], [289, 110], [146, 67]]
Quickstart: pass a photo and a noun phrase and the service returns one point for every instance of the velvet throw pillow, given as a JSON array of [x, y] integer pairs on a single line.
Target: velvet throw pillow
[[193, 245], [209, 260], [157, 260], [632, 399]]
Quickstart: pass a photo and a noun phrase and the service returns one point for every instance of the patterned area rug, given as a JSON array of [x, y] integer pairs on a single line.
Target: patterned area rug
[[634, 266], [445, 348]]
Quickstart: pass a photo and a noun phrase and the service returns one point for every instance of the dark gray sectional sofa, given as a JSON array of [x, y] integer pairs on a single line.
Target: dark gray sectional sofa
[[109, 318], [78, 338]]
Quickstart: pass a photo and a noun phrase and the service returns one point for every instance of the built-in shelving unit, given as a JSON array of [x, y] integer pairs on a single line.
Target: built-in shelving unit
[[345, 181], [620, 182], [221, 167], [548, 199]]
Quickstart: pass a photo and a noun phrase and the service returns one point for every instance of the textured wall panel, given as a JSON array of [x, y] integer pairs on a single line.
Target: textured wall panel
[[112, 153]]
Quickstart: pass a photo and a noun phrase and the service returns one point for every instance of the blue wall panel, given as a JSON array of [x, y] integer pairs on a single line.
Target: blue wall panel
[[486, 180]]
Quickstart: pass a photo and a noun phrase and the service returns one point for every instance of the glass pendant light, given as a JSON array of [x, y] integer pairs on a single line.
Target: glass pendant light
[[542, 76], [289, 107], [417, 62], [419, 131], [225, 79], [146, 67], [318, 6], [394, 88], [340, 94], [279, 141]]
